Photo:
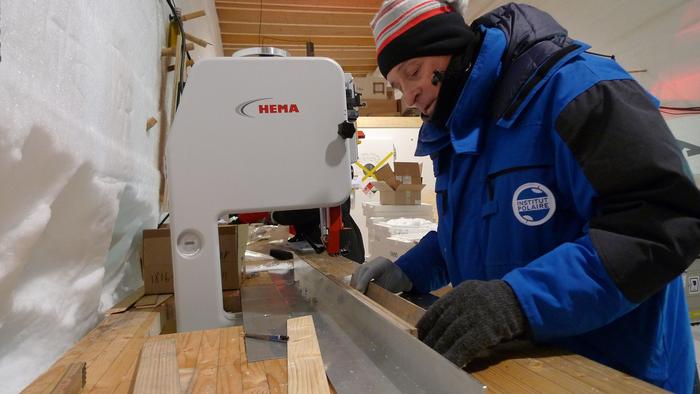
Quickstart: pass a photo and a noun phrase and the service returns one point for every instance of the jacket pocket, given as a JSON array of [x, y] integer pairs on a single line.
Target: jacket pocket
[[518, 208]]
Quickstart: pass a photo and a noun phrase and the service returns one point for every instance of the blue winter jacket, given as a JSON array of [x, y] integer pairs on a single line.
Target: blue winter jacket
[[557, 174]]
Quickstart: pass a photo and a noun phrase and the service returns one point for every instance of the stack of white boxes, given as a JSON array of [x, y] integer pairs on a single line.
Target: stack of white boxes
[[392, 238]]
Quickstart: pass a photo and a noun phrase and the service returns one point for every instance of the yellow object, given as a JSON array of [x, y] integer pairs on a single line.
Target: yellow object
[[370, 173]]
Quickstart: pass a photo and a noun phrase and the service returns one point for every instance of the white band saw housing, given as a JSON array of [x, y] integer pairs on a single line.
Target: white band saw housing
[[250, 134]]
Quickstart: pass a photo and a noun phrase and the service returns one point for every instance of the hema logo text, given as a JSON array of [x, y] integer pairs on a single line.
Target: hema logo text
[[250, 111]]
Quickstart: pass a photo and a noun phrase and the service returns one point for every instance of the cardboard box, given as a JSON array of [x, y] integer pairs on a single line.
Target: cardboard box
[[408, 173], [168, 319], [382, 107], [402, 186], [157, 266]]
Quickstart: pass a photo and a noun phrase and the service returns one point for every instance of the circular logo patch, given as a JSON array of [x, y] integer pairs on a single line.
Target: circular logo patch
[[533, 204]]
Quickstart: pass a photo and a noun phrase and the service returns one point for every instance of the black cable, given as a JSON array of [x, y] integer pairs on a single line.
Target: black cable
[[164, 219], [663, 108], [601, 55], [680, 113], [183, 50], [680, 108]]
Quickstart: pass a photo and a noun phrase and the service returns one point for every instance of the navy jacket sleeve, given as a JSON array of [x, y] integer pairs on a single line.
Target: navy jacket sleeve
[[424, 265], [616, 155]]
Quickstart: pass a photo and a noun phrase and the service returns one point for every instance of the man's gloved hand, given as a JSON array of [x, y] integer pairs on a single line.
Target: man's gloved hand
[[384, 272], [474, 316]]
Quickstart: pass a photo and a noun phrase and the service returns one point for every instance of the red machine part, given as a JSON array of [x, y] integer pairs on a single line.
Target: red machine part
[[335, 226]]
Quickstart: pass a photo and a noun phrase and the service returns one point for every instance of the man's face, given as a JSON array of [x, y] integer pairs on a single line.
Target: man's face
[[413, 78]]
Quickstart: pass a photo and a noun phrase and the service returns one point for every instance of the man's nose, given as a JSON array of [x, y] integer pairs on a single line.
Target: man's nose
[[409, 97]]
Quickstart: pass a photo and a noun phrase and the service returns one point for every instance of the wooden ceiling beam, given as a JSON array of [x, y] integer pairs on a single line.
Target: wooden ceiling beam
[[292, 45], [296, 29], [337, 53], [339, 29], [310, 17], [273, 39], [335, 5], [358, 70]]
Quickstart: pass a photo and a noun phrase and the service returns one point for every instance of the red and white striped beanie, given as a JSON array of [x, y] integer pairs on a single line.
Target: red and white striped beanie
[[404, 29]]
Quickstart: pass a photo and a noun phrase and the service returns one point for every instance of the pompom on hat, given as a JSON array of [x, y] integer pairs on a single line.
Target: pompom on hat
[[405, 29]]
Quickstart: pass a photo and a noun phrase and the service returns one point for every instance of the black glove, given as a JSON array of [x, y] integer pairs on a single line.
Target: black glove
[[384, 272], [474, 316]]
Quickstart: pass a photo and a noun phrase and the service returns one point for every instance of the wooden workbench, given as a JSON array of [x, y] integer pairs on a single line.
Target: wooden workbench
[[215, 360]]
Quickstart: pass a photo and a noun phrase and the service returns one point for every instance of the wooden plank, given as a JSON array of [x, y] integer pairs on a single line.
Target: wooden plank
[[292, 17], [297, 30], [229, 379], [276, 372], [441, 291], [147, 301], [357, 62], [90, 348], [383, 312], [176, 77], [126, 302], [497, 382], [205, 373], [402, 308], [598, 382], [338, 7], [186, 381], [208, 356], [113, 364], [272, 39], [123, 370], [204, 381], [232, 301], [521, 366], [72, 381], [390, 122], [164, 126], [624, 382], [193, 15], [253, 375], [330, 386], [254, 378], [358, 71], [306, 373], [515, 377], [157, 370], [335, 52], [98, 338], [338, 269], [188, 344], [544, 371]]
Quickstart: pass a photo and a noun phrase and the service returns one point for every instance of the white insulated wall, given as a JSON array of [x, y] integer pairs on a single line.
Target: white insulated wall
[[78, 171]]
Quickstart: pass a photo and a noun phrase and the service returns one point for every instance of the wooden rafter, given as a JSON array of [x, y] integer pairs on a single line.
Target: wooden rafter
[[339, 29]]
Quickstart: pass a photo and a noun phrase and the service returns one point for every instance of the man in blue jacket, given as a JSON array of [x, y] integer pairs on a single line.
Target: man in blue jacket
[[565, 215]]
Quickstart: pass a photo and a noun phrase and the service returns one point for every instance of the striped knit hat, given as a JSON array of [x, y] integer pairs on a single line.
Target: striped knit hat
[[404, 29]]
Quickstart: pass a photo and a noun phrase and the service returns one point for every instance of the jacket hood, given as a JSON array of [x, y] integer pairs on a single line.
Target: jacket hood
[[536, 44]]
